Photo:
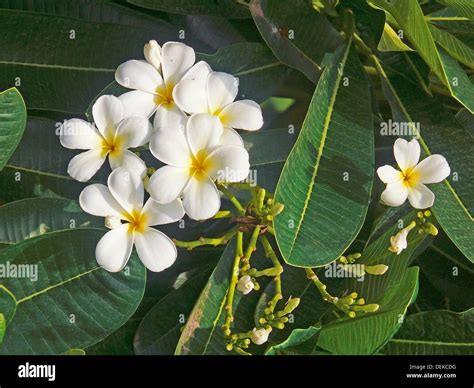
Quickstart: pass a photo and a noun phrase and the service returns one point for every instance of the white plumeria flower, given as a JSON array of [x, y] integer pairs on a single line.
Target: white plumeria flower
[[155, 79], [259, 336], [111, 136], [122, 200], [410, 181], [399, 242], [245, 284], [195, 158], [204, 91]]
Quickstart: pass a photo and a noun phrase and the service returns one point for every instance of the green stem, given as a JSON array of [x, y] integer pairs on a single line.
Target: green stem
[[232, 285], [232, 198], [270, 253], [214, 241], [322, 289]]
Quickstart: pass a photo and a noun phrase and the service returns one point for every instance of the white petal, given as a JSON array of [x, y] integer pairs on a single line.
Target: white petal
[[388, 174], [407, 154], [107, 112], [222, 88], [203, 131], [395, 194], [433, 169], [170, 116], [127, 189], [231, 137], [114, 249], [152, 52], [177, 60], [133, 132], [79, 134], [167, 183], [228, 164], [201, 199], [190, 93], [160, 214], [138, 103], [97, 200], [84, 166], [243, 114], [156, 250], [420, 196], [171, 147], [128, 160], [138, 75]]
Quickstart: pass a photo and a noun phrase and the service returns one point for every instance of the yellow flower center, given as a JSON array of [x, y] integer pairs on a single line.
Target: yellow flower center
[[138, 221], [410, 177], [164, 95], [200, 165], [112, 145]]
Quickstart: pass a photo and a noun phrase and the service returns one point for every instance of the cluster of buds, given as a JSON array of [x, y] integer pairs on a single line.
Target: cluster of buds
[[353, 305], [348, 263], [278, 319], [424, 223]]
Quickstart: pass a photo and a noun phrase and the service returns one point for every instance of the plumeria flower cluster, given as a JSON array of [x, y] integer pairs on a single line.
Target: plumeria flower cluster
[[194, 116]]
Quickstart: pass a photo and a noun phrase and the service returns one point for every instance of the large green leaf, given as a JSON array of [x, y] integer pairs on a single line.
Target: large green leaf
[[438, 332], [454, 46], [12, 123], [160, 329], [409, 17], [462, 7], [440, 133], [73, 303], [297, 337], [324, 187], [221, 8], [54, 71], [28, 218], [297, 34]]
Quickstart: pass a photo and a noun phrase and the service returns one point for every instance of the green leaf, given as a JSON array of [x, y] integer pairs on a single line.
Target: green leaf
[[160, 329], [390, 41], [438, 332], [324, 211], [74, 352], [222, 8], [297, 337], [302, 45], [3, 327], [463, 7], [454, 46], [409, 16], [31, 217], [62, 62], [440, 133], [73, 303], [12, 123]]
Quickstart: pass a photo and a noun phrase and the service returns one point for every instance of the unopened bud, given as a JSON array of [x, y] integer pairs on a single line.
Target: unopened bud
[[152, 51], [274, 271], [245, 284], [371, 308], [290, 305], [433, 230], [259, 336], [378, 269], [277, 209]]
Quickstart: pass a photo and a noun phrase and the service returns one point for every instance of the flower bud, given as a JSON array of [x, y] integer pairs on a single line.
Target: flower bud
[[152, 51], [277, 209], [245, 284], [399, 242], [431, 229], [112, 222], [259, 336], [290, 305], [274, 271], [378, 269]]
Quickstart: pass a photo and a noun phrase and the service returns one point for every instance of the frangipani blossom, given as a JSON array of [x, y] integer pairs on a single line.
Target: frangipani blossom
[[204, 91], [195, 158], [111, 136], [410, 181], [399, 242], [122, 200], [155, 79]]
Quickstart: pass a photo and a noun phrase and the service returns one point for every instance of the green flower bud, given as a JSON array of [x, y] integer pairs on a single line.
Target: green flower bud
[[351, 314], [378, 269], [290, 305], [274, 271], [371, 308], [277, 209]]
